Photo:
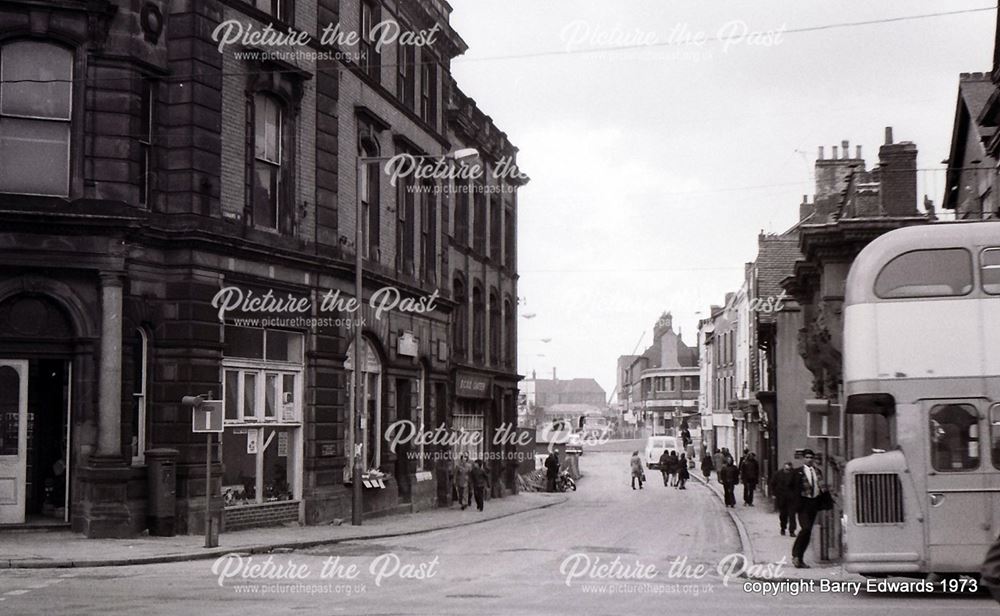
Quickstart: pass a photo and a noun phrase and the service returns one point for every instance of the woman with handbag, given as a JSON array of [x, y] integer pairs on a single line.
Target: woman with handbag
[[637, 472]]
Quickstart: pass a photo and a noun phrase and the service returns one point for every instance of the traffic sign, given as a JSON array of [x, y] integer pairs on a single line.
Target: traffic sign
[[207, 417], [823, 419]]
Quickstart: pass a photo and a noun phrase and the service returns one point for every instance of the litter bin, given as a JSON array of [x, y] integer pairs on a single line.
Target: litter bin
[[161, 466]]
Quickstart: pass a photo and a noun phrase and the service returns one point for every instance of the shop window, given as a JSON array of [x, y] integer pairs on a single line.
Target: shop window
[[262, 393], [954, 433], [466, 423], [35, 114], [371, 394], [926, 273]]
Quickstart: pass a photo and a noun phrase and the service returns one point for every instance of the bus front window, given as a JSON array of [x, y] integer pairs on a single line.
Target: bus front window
[[954, 437]]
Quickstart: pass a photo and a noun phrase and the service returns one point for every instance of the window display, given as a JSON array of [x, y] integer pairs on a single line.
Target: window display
[[262, 391]]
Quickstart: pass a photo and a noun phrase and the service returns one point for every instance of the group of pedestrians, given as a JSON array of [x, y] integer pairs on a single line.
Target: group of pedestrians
[[674, 469], [474, 476], [799, 493]]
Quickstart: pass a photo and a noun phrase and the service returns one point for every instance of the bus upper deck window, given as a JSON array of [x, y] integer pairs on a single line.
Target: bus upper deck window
[[991, 270], [954, 437], [926, 273]]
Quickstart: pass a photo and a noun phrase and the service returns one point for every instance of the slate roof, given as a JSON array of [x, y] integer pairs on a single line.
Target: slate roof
[[776, 257]]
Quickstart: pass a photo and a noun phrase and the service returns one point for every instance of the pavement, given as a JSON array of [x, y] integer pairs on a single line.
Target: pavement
[[764, 545], [62, 549]]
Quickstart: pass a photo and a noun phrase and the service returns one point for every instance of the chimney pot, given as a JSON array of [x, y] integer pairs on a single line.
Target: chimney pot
[[820, 153], [846, 148], [833, 155], [858, 149], [888, 135]]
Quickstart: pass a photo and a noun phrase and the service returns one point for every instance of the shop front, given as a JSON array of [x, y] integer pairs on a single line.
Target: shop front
[[262, 442], [471, 418]]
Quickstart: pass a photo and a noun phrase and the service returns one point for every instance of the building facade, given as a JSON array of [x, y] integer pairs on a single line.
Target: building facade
[[664, 382], [194, 233]]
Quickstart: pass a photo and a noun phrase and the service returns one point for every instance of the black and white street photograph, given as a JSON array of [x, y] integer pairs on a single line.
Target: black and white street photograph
[[499, 307]]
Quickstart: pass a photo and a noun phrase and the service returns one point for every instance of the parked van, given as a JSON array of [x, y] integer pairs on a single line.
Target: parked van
[[655, 446]]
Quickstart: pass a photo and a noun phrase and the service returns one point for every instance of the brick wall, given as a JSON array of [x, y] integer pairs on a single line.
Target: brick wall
[[254, 516]]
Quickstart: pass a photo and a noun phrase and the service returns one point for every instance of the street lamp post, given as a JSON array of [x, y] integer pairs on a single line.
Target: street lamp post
[[358, 425]]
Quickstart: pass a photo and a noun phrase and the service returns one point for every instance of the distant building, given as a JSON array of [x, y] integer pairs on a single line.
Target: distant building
[[581, 397], [663, 382]]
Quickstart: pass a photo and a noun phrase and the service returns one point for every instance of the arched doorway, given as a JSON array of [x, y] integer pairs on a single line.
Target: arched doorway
[[37, 346]]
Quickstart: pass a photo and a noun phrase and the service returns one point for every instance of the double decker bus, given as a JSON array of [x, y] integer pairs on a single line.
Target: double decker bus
[[922, 361]]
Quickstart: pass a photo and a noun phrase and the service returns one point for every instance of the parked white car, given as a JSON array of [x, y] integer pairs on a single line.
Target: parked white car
[[655, 446]]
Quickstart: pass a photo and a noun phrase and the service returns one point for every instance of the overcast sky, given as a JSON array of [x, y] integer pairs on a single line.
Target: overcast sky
[[653, 170]]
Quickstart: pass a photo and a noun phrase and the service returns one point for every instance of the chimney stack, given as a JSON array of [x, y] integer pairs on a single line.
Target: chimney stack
[[805, 208], [858, 149], [897, 177], [820, 157], [845, 149], [833, 155], [554, 373]]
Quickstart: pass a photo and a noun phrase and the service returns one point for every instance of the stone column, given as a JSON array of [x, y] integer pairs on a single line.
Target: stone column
[[109, 409], [104, 509]]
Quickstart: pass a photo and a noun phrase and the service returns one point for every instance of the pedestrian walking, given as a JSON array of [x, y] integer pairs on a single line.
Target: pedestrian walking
[[749, 475], [718, 461], [784, 486], [728, 456], [462, 470], [664, 463], [673, 468], [809, 481], [480, 480], [685, 437], [551, 471], [729, 476], [637, 472], [707, 466], [682, 473]]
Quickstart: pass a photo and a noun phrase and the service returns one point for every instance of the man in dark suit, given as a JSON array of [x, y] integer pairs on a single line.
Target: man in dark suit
[[810, 486], [480, 480], [729, 476], [785, 487], [749, 475]]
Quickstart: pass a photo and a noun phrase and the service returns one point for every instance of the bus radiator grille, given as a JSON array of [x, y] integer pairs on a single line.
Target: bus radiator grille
[[878, 498]]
